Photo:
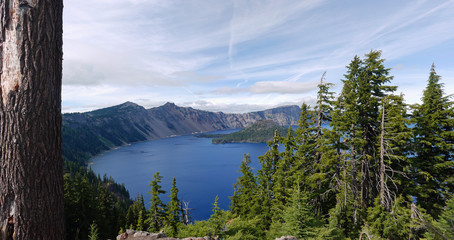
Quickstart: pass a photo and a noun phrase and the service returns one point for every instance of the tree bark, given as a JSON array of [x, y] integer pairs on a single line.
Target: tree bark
[[382, 160], [31, 181]]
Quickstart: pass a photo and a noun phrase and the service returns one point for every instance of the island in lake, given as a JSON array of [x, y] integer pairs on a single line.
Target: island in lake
[[258, 132]]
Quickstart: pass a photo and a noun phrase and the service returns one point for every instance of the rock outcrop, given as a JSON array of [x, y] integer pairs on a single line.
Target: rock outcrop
[[141, 235], [287, 238]]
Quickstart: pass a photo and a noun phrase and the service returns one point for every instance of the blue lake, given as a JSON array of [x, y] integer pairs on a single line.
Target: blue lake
[[202, 169]]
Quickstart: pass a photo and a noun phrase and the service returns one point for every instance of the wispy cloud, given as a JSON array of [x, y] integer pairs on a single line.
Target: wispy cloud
[[279, 87], [242, 50]]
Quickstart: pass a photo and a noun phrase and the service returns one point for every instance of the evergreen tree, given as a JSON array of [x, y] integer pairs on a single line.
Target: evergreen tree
[[243, 202], [298, 218], [141, 221], [395, 137], [88, 200], [105, 218], [325, 171], [244, 229], [354, 139], [173, 210], [394, 223], [265, 179], [80, 206], [371, 90], [216, 218], [133, 215], [444, 226], [433, 165], [156, 214], [358, 120], [305, 147], [344, 125], [283, 182], [94, 233]]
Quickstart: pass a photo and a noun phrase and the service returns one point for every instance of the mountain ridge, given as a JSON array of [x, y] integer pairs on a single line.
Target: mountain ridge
[[90, 133]]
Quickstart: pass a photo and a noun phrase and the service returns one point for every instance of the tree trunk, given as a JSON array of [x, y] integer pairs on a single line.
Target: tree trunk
[[31, 181], [382, 160]]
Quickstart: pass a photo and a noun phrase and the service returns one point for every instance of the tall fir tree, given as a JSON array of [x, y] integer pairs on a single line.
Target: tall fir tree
[[282, 177], [173, 210], [323, 179], [265, 179], [243, 201], [305, 146], [394, 147], [216, 220], [433, 165], [371, 90], [443, 228], [156, 214], [133, 214], [354, 135]]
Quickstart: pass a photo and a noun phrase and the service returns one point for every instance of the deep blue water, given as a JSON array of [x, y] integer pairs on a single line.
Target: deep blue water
[[202, 169]]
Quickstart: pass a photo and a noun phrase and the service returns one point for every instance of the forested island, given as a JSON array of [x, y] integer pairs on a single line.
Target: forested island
[[383, 170], [258, 132]]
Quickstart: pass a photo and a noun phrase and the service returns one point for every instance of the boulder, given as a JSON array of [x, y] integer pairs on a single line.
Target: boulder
[[142, 235], [287, 238]]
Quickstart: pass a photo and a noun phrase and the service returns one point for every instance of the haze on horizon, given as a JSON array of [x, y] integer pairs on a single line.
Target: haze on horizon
[[244, 55]]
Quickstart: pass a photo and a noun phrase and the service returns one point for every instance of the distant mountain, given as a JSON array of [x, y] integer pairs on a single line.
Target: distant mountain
[[88, 134], [258, 132]]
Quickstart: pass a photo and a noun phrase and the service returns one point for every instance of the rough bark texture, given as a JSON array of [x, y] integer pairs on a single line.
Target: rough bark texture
[[31, 182]]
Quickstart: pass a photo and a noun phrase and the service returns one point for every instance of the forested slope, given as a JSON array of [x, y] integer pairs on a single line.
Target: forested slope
[[258, 132]]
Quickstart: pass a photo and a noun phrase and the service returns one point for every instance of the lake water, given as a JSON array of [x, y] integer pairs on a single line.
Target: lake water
[[202, 169]]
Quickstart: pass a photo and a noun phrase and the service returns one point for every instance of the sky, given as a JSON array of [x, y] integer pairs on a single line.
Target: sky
[[244, 55]]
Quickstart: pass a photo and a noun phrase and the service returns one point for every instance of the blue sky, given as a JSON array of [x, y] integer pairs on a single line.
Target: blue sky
[[244, 55]]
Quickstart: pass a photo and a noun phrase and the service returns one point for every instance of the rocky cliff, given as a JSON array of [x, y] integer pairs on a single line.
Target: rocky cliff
[[90, 133]]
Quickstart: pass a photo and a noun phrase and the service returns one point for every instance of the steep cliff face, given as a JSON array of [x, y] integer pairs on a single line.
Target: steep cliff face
[[88, 134]]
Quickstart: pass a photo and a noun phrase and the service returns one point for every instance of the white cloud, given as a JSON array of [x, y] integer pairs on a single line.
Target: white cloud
[[229, 51], [266, 87], [283, 87]]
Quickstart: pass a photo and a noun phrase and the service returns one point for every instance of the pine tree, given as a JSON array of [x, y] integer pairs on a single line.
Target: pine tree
[[173, 210], [283, 182], [94, 232], [265, 179], [371, 90], [133, 214], [80, 206], [433, 165], [325, 170], [141, 221], [395, 137], [444, 226], [105, 209], [216, 220], [344, 125], [354, 139], [364, 87], [156, 214], [393, 224], [298, 218], [243, 201], [305, 147]]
